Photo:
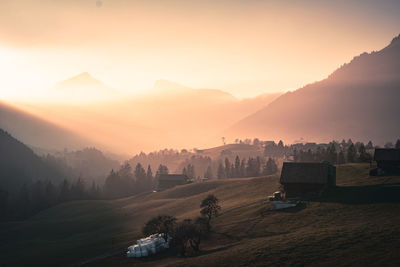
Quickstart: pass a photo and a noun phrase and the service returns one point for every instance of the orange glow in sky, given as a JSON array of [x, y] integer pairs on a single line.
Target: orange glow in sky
[[243, 47]]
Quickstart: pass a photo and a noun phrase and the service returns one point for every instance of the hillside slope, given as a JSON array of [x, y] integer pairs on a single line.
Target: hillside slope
[[360, 99], [358, 225], [37, 132], [20, 165]]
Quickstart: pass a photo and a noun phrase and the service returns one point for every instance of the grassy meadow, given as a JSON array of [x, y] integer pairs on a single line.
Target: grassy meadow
[[356, 224]]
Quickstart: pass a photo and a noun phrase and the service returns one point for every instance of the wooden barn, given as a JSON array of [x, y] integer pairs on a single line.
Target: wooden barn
[[165, 181], [303, 179], [387, 160]]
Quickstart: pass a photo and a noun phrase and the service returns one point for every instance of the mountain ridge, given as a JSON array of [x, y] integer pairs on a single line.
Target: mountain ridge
[[356, 100]]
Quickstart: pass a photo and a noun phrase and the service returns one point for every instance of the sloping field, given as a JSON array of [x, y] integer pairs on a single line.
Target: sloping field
[[78, 230], [358, 224]]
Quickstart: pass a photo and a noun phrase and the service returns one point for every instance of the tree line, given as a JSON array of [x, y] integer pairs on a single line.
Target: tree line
[[336, 154], [40, 195], [34, 197], [252, 167]]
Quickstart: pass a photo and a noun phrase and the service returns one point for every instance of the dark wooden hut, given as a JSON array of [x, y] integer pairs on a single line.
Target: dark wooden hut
[[166, 181], [388, 161], [303, 179]]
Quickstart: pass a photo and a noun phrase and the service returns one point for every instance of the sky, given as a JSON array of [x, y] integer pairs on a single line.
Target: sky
[[243, 47]]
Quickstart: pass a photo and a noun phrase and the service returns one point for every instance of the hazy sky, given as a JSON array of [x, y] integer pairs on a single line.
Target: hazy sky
[[244, 47]]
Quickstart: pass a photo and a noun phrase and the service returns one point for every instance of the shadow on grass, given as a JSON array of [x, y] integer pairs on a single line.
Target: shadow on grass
[[388, 193]]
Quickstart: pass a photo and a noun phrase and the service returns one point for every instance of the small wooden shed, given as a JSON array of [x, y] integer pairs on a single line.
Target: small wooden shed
[[387, 160], [165, 181], [301, 179]]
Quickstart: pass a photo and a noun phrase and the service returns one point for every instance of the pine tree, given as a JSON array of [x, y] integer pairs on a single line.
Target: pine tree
[[351, 153], [253, 167], [149, 173], [150, 178], [237, 167], [257, 167], [341, 159], [162, 169], [190, 171], [370, 145], [397, 144], [363, 155], [78, 189], [343, 143], [280, 144], [208, 174], [349, 142], [227, 168], [256, 142], [270, 167], [243, 168], [141, 178], [221, 171], [125, 172], [332, 153], [281, 149]]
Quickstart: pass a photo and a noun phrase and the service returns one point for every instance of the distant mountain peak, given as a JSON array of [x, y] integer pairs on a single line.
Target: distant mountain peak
[[82, 88], [82, 79], [165, 85], [83, 75]]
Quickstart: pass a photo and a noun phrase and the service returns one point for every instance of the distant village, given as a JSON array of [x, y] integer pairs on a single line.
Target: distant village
[[308, 169], [244, 158]]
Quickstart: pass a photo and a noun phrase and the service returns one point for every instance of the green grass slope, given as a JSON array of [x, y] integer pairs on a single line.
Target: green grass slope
[[358, 224]]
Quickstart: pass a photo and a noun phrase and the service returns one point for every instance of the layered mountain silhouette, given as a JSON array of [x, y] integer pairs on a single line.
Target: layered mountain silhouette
[[170, 115], [360, 99], [37, 132]]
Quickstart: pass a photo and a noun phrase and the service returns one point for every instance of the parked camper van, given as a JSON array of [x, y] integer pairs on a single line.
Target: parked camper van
[[147, 246]]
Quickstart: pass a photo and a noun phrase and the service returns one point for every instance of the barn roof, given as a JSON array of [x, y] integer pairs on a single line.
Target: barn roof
[[389, 154], [172, 177], [305, 172]]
